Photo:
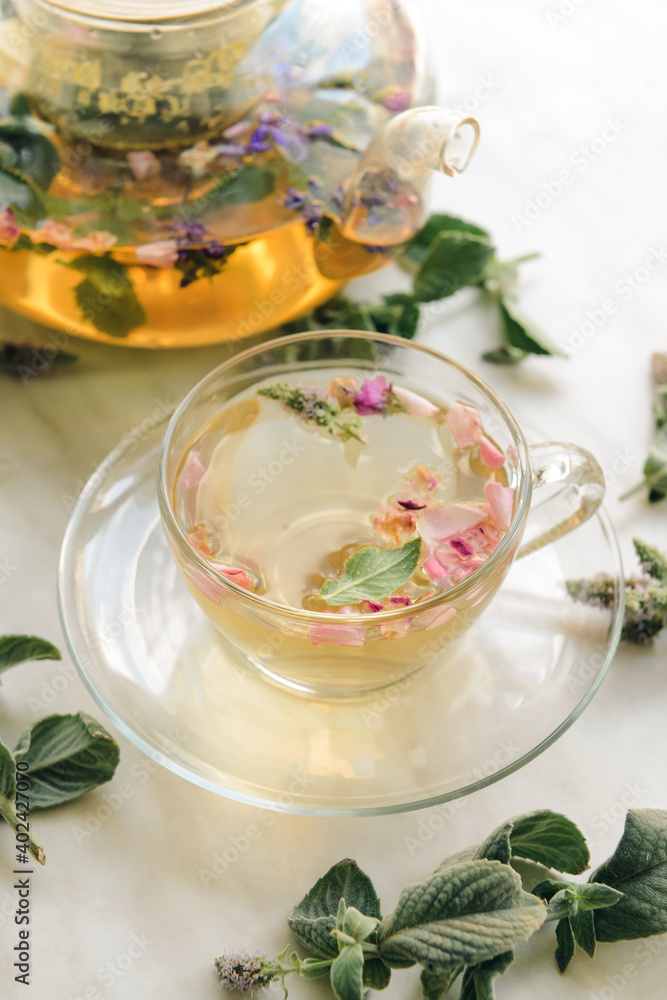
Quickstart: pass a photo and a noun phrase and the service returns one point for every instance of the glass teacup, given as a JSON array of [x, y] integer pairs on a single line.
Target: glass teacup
[[291, 480]]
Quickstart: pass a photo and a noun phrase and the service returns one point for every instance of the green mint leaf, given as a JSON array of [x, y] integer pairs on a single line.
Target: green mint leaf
[[15, 190], [583, 929], [106, 296], [418, 247], [376, 974], [7, 804], [347, 974], [638, 869], [21, 648], [358, 926], [468, 914], [504, 356], [7, 773], [436, 985], [19, 104], [516, 333], [548, 888], [236, 187], [546, 837], [36, 157], [68, 756], [314, 918], [593, 896], [452, 261], [372, 573], [477, 981], [564, 944], [655, 561]]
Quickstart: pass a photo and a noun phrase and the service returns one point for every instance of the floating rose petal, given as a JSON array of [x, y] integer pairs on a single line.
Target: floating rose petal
[[373, 396], [438, 524], [417, 406], [398, 102], [342, 389], [411, 504], [394, 524], [58, 234], [461, 547], [372, 606], [9, 228], [193, 472], [464, 423], [97, 242], [501, 503], [237, 576], [491, 456], [426, 476], [162, 253], [198, 539], [143, 164], [403, 599], [341, 635]]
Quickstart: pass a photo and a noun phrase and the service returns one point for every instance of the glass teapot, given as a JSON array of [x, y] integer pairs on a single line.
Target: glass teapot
[[182, 172]]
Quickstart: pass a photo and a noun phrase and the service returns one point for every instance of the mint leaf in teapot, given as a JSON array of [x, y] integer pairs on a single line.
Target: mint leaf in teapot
[[372, 574], [106, 295], [16, 649], [68, 755]]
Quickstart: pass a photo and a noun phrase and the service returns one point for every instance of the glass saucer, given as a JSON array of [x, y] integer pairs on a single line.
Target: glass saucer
[[502, 694]]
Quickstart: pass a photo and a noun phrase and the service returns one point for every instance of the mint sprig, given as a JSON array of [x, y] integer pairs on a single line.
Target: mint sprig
[[655, 467], [447, 255], [372, 574], [58, 758], [466, 918], [645, 595]]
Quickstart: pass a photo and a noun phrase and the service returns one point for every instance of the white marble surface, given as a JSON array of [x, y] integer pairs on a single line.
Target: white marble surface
[[122, 912]]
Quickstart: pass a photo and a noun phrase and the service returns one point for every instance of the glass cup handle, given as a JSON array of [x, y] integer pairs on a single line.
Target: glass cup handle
[[581, 492]]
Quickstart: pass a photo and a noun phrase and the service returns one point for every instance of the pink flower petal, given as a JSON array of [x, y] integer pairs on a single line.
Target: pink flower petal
[[417, 406], [162, 253], [437, 524], [394, 524], [58, 234], [464, 423], [373, 396], [98, 242], [237, 576], [9, 228], [199, 540], [501, 503], [372, 606], [193, 472], [399, 101], [491, 456], [404, 599], [433, 568], [143, 164], [341, 635]]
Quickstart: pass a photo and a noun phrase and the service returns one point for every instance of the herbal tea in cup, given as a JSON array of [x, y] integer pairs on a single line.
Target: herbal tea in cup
[[343, 506]]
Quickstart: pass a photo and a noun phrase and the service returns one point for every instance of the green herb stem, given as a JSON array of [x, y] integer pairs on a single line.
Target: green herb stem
[[8, 811]]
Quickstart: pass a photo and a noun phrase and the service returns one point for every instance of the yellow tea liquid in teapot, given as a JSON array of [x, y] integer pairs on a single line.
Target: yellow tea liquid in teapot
[[182, 173]]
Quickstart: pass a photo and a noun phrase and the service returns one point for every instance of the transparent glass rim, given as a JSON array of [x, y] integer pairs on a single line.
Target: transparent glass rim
[[143, 14], [302, 616]]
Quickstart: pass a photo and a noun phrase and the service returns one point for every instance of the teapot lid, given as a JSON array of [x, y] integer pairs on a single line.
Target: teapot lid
[[153, 11]]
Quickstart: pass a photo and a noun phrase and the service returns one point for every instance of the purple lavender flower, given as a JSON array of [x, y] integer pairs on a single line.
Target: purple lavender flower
[[318, 129], [243, 972], [295, 200]]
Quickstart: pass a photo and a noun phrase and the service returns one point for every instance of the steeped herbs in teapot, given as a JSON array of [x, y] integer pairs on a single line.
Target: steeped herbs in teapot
[[180, 172]]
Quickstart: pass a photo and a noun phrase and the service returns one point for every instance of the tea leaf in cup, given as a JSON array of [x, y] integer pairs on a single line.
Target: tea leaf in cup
[[372, 573]]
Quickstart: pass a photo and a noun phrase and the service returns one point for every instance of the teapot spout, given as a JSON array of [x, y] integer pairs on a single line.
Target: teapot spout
[[384, 199]]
